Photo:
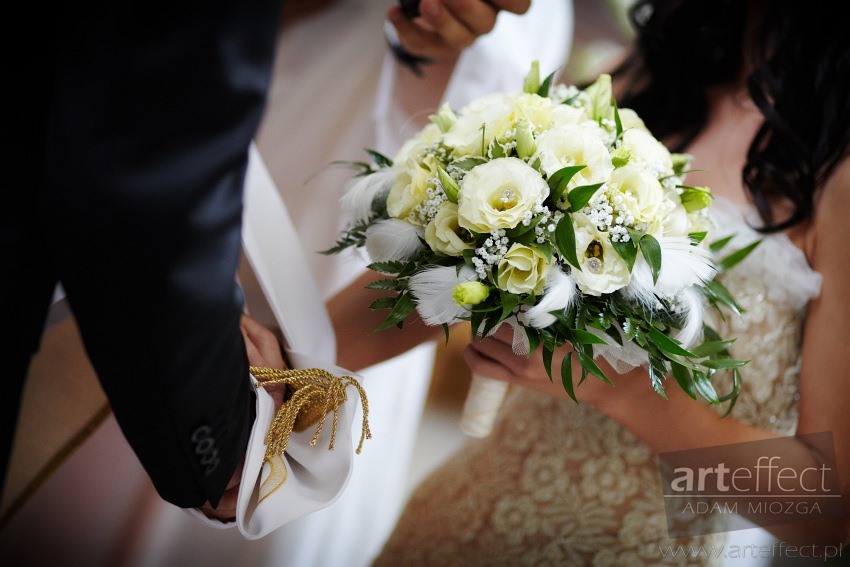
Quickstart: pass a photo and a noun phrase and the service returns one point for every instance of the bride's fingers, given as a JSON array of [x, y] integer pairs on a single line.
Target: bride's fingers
[[514, 6], [477, 16], [261, 344], [417, 40]]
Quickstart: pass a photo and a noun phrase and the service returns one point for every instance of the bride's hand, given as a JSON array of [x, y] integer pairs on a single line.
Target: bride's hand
[[494, 357], [445, 27], [263, 350]]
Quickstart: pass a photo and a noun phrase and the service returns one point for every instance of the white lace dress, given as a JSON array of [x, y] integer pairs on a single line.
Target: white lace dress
[[563, 484]]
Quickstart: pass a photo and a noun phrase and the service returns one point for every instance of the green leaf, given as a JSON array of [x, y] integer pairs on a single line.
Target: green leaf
[[383, 303], [656, 378], [667, 344], [711, 347], [723, 363], [558, 181], [565, 239], [497, 150], [380, 159], [706, 388], [716, 291], [627, 251], [718, 245], [697, 237], [450, 186], [736, 257], [403, 307], [651, 251], [389, 284], [533, 339], [567, 376], [468, 162], [590, 366], [685, 380], [544, 87], [547, 360], [617, 122], [580, 196], [390, 268], [508, 302], [587, 338]]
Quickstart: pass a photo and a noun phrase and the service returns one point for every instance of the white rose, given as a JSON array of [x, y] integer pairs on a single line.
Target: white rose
[[645, 150], [602, 269], [493, 112], [499, 194], [409, 190], [640, 193], [522, 270], [575, 145], [441, 234], [417, 144]]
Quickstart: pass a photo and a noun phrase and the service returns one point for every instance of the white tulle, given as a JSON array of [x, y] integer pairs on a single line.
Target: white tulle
[[357, 201], [392, 239], [560, 293], [433, 290]]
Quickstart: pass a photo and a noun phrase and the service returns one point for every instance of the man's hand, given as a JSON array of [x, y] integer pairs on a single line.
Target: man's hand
[[263, 350], [445, 27]]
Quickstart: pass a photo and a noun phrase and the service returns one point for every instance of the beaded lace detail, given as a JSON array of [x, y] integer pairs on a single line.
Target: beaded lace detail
[[563, 484]]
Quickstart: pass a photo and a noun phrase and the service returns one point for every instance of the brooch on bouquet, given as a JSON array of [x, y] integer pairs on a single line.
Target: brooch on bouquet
[[558, 213]]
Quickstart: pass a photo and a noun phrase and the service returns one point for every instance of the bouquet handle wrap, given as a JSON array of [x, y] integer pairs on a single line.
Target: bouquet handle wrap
[[482, 405]]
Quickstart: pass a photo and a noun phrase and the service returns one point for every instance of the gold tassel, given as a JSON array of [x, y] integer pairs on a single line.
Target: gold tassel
[[315, 393]]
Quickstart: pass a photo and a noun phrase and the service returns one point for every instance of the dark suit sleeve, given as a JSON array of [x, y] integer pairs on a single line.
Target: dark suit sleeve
[[155, 109]]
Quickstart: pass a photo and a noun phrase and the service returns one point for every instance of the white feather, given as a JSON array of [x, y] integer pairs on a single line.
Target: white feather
[[692, 309], [433, 290], [392, 239], [357, 201], [559, 294], [682, 265]]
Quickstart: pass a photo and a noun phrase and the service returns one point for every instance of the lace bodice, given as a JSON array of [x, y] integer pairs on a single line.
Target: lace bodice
[[563, 484]]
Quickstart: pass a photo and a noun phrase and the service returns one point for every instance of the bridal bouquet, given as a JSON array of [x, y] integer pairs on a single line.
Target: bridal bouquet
[[556, 212]]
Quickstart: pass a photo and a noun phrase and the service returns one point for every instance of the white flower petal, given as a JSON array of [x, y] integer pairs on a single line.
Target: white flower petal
[[433, 290], [392, 239]]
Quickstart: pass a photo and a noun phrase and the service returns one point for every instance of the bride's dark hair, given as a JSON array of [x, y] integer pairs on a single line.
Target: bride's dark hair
[[799, 57]]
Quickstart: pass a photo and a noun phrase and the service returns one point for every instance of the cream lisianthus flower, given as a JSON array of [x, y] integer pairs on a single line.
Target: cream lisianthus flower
[[499, 194], [564, 114], [675, 216], [443, 233], [523, 270], [575, 145], [639, 192], [412, 148], [492, 112], [410, 189], [602, 269], [647, 151], [536, 109], [630, 120]]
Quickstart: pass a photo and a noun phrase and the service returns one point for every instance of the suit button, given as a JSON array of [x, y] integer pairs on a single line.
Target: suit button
[[205, 448]]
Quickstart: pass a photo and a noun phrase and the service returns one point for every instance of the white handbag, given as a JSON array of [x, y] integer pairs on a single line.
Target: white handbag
[[305, 478]]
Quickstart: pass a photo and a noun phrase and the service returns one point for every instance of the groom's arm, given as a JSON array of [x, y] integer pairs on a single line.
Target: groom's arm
[[156, 106]]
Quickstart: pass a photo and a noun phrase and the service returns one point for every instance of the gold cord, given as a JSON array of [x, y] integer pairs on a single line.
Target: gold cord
[[316, 392]]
